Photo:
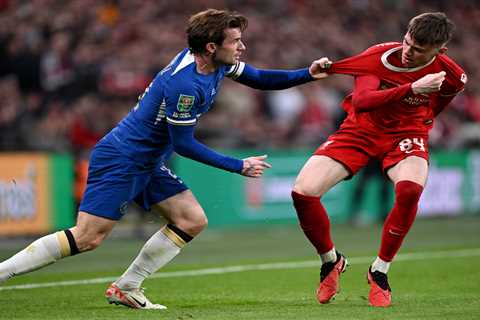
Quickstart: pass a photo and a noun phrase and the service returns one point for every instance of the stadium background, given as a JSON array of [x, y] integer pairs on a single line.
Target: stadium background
[[70, 70]]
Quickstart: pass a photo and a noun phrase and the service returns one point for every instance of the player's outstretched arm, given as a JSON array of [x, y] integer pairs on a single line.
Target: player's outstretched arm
[[255, 166], [278, 79], [185, 144]]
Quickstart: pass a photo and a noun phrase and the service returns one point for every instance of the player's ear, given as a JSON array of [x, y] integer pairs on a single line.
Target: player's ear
[[211, 48]]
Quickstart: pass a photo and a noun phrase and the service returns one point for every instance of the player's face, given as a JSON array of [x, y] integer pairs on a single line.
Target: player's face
[[232, 47], [414, 55]]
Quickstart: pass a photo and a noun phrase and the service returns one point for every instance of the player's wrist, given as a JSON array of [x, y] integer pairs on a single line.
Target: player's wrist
[[414, 88], [310, 74]]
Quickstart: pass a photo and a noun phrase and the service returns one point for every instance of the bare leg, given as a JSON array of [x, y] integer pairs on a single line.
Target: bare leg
[[86, 235]]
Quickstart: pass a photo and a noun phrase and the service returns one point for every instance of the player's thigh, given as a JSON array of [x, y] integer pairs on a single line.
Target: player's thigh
[[168, 195], [182, 206], [407, 159], [340, 157], [412, 168], [318, 175]]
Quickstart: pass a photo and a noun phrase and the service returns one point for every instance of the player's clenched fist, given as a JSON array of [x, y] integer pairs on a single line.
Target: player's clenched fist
[[317, 68], [254, 166], [429, 83]]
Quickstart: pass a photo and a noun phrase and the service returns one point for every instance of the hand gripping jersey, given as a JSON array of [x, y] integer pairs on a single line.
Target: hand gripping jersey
[[409, 112]]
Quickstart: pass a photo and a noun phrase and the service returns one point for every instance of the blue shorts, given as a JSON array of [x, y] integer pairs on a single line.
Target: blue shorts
[[115, 180]]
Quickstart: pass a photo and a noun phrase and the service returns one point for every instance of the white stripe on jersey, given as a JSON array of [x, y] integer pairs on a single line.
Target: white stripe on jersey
[[181, 122], [186, 60], [161, 112], [236, 70]]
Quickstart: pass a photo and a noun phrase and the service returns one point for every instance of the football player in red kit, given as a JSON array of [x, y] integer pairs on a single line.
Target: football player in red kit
[[399, 89]]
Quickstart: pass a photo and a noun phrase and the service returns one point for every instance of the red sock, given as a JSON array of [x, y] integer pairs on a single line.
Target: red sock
[[400, 219], [313, 221]]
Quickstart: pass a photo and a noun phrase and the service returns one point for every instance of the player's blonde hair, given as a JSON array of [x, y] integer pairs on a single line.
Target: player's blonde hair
[[209, 26], [431, 28]]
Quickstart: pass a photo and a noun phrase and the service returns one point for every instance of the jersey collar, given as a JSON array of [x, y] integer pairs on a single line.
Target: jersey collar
[[390, 66]]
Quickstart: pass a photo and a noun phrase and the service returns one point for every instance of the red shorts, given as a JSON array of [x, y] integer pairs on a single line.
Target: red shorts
[[354, 146]]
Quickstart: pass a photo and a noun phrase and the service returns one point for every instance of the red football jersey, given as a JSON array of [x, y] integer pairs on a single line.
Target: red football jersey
[[407, 112]]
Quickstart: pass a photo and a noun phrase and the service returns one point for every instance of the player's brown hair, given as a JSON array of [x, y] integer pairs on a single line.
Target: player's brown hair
[[431, 28], [209, 26]]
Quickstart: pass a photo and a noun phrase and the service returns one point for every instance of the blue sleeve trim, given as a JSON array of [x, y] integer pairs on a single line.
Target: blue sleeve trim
[[273, 79], [185, 144]]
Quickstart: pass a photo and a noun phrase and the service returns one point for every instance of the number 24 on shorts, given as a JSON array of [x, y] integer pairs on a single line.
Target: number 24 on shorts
[[406, 145]]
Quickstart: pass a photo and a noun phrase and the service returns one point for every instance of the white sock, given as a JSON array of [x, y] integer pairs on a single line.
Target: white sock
[[160, 249], [329, 256], [40, 253], [380, 265]]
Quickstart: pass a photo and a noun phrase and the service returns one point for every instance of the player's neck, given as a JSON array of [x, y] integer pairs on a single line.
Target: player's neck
[[396, 59], [205, 64]]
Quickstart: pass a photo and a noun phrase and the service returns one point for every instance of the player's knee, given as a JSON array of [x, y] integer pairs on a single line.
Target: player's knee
[[199, 224], [89, 241], [304, 189], [96, 241], [193, 224]]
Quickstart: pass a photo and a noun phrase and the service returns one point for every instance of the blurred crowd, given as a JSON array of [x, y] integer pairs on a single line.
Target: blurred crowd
[[70, 70]]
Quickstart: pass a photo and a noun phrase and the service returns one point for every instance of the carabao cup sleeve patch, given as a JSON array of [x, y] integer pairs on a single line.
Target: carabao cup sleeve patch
[[185, 103]]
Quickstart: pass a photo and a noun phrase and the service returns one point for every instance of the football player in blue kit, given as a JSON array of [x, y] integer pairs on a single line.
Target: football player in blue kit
[[128, 164]]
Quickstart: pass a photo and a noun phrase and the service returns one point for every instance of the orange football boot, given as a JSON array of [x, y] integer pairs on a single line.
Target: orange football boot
[[380, 294], [329, 278]]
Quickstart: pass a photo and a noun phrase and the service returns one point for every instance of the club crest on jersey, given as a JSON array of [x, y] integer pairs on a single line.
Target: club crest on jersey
[[185, 103]]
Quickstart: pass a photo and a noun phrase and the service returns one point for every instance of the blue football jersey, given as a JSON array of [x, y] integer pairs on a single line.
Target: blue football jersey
[[178, 95]]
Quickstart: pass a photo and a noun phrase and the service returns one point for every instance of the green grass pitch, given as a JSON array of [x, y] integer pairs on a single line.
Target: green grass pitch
[[440, 280]]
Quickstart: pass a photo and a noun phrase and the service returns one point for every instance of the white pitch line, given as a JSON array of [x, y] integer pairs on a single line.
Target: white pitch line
[[255, 267]]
